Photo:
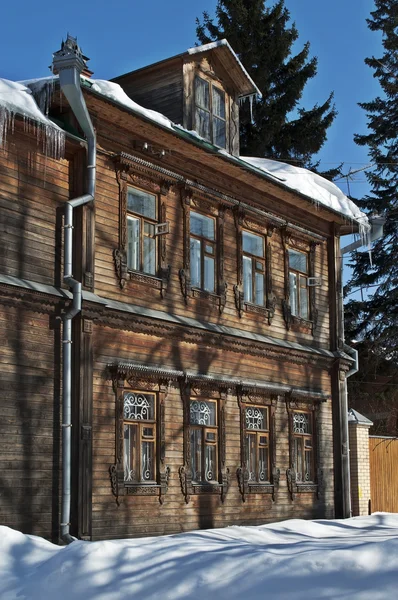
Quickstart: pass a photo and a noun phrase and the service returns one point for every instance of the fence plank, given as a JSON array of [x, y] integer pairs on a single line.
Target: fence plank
[[383, 454]]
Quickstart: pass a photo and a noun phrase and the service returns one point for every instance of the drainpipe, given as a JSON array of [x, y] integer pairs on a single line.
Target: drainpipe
[[376, 232], [69, 63]]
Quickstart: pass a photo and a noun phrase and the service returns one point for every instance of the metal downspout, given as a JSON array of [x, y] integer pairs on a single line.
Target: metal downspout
[[69, 63]]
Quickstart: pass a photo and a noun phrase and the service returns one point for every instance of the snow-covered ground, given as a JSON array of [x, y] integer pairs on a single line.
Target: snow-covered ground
[[292, 560]]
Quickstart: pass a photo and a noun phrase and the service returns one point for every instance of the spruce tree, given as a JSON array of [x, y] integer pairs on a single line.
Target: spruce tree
[[263, 37], [374, 319]]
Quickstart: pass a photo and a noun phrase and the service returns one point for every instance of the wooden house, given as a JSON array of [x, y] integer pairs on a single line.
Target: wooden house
[[207, 355]]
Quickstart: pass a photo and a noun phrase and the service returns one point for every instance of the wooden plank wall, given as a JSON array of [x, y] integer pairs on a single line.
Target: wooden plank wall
[[29, 421], [107, 285], [383, 457], [33, 187], [138, 516]]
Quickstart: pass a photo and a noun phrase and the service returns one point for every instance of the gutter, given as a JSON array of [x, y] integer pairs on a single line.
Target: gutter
[[69, 63]]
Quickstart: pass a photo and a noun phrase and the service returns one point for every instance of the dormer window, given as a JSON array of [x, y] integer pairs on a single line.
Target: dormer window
[[210, 115]]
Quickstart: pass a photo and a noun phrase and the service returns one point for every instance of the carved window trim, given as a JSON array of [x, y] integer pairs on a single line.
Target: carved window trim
[[127, 179], [190, 390], [121, 384], [190, 202], [295, 322], [316, 486], [245, 399], [242, 223]]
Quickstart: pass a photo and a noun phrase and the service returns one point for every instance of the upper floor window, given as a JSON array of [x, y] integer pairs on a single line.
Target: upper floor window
[[253, 268], [204, 440], [298, 283], [139, 425], [202, 252], [210, 114], [257, 443], [141, 231], [303, 447]]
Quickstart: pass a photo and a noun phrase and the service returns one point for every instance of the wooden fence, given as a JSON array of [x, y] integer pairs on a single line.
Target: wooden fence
[[383, 457]]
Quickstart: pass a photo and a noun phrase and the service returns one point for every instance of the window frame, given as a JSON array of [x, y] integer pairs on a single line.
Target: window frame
[[299, 276], [248, 398], [203, 242], [210, 110], [216, 211], [255, 270], [204, 430], [127, 178], [124, 383], [142, 220], [264, 230], [292, 321], [191, 391], [294, 485], [141, 424]]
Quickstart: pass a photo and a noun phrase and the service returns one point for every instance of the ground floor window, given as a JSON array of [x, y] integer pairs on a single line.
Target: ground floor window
[[139, 428]]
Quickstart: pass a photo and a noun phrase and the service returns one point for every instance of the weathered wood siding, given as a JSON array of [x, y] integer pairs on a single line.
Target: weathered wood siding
[[159, 89], [106, 282], [143, 515], [32, 190], [29, 420]]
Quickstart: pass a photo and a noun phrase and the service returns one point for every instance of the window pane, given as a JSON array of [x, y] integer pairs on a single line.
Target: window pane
[[148, 461], [304, 311], [256, 418], [130, 453], [253, 244], [259, 289], [133, 243], [201, 225], [149, 255], [203, 123], [219, 137], [196, 454], [210, 463], [298, 464], [196, 279], [141, 203], [139, 406], [218, 103], [302, 423], [263, 464], [293, 293], [251, 456], [208, 283], [247, 279], [298, 261], [203, 413], [202, 96]]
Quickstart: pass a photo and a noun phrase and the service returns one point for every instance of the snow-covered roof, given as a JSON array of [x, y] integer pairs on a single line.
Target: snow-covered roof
[[17, 99], [323, 191], [314, 187]]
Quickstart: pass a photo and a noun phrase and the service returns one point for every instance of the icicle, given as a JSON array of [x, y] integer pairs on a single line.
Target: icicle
[[7, 119], [250, 98]]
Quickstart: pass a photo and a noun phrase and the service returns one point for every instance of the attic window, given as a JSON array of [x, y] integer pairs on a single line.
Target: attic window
[[210, 117]]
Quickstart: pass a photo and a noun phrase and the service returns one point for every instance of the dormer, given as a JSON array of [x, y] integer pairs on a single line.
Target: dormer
[[200, 89]]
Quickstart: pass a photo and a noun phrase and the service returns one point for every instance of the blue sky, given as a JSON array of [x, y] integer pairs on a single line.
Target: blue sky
[[123, 35]]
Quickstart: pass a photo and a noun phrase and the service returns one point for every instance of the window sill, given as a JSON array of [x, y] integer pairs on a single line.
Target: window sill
[[125, 274], [142, 489], [145, 278], [309, 487], [261, 488], [256, 308]]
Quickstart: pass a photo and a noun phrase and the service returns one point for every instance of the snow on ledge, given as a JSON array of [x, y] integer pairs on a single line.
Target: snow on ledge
[[321, 190], [17, 99]]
